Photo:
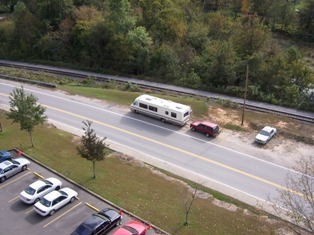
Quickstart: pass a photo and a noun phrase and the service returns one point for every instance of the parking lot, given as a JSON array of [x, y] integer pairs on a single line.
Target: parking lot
[[19, 218]]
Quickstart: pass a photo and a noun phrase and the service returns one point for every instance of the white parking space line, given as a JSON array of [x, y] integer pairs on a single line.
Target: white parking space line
[[15, 180], [27, 212], [62, 214], [13, 199]]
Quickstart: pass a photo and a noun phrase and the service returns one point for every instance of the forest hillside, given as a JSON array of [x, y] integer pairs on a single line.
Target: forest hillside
[[201, 44]]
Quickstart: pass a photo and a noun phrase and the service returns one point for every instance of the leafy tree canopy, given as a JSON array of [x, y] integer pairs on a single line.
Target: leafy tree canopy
[[25, 110], [92, 148]]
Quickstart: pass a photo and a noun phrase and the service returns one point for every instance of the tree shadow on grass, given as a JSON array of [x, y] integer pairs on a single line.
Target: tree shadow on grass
[[90, 179], [179, 228]]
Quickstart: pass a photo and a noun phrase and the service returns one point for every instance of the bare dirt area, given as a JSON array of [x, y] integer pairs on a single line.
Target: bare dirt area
[[284, 149]]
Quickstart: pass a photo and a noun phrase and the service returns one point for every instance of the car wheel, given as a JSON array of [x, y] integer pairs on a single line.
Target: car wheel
[[207, 135], [162, 120], [2, 179], [135, 111], [58, 188], [24, 168], [193, 129], [37, 200], [52, 212], [72, 199]]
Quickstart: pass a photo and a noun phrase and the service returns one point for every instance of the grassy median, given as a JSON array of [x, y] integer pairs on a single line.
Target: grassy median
[[135, 187]]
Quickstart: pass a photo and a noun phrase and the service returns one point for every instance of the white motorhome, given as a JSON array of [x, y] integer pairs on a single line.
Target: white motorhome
[[165, 110]]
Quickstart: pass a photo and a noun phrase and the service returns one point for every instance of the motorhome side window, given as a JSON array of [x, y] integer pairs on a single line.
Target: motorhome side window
[[167, 113], [174, 115], [144, 106], [152, 108], [186, 114]]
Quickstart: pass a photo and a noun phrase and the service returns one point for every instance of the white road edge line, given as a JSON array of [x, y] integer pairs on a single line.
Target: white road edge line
[[104, 110]]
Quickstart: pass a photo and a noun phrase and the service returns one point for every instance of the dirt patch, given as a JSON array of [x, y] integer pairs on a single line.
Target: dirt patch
[[282, 124], [293, 142], [227, 206], [76, 140], [49, 125]]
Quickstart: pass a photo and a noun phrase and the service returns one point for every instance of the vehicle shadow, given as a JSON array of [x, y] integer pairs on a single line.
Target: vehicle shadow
[[19, 206], [34, 218], [144, 123]]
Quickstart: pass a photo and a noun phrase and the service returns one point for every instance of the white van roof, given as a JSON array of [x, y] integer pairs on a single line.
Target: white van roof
[[164, 103]]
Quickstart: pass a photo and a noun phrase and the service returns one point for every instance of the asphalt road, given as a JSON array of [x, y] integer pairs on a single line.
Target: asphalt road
[[198, 158]]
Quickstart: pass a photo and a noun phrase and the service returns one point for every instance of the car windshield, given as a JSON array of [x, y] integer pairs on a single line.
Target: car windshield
[[45, 202], [63, 193], [132, 230], [216, 129], [30, 190], [47, 182], [262, 132], [15, 162], [83, 230]]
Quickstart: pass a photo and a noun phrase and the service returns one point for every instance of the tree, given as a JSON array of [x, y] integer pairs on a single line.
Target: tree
[[120, 16], [218, 64], [1, 115], [219, 26], [283, 13], [51, 12], [139, 44], [165, 63], [25, 31], [164, 20], [25, 110], [298, 197], [189, 202], [251, 37], [92, 148], [9, 4], [264, 9], [306, 19]]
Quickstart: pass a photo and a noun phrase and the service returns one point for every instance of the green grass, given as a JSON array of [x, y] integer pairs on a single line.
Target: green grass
[[233, 127], [132, 186], [199, 106], [113, 95]]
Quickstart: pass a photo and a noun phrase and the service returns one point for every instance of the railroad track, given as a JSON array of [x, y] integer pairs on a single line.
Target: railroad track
[[291, 113]]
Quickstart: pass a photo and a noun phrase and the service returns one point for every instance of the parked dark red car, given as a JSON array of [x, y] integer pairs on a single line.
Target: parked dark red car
[[205, 127], [132, 228]]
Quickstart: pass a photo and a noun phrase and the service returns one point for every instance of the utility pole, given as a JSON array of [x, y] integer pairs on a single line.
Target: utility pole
[[245, 91]]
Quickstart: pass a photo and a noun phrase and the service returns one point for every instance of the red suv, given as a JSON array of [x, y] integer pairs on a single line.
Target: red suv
[[208, 128]]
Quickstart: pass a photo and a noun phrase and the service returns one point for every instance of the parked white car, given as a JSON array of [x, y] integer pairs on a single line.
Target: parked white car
[[38, 189], [54, 200], [265, 134], [9, 168]]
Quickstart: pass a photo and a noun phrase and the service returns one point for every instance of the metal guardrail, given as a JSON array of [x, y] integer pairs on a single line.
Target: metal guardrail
[[50, 85]]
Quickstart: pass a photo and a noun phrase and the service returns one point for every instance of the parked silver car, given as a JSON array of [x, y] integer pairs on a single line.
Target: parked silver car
[[9, 168], [265, 134]]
